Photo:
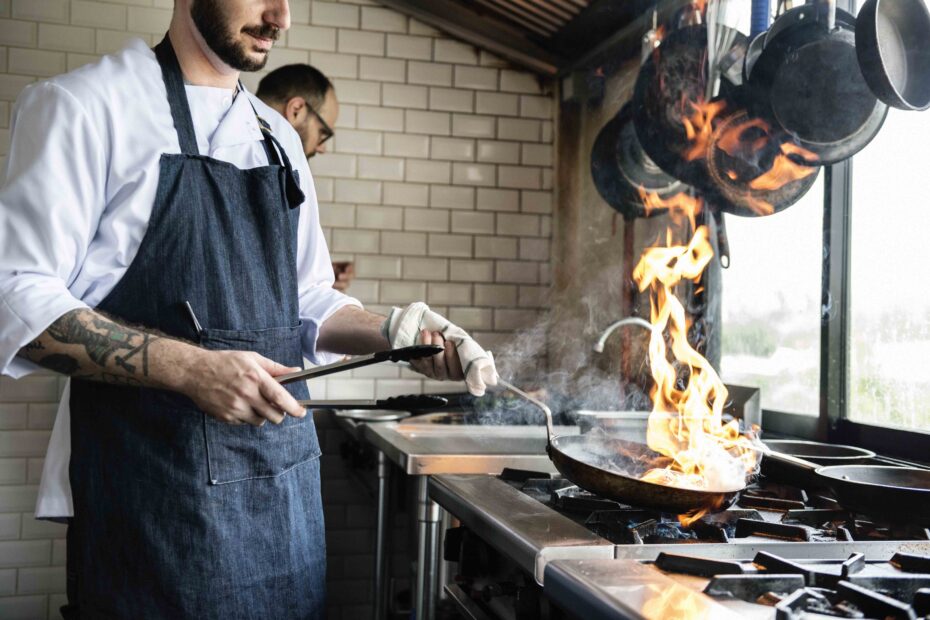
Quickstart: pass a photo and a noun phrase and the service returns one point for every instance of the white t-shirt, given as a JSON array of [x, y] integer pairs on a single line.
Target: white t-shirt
[[78, 193]]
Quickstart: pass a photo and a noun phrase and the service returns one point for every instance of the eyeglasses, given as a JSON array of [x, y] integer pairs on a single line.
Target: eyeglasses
[[326, 132]]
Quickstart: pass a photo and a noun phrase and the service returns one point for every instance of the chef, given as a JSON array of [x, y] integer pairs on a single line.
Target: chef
[[160, 244], [307, 99]]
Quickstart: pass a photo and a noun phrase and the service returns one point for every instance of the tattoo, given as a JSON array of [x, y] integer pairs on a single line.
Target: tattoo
[[65, 364], [116, 352]]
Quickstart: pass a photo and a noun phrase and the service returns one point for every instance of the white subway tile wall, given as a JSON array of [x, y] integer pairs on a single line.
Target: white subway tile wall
[[438, 185]]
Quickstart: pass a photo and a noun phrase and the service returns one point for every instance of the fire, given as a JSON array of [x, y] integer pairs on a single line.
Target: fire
[[673, 602], [699, 127], [686, 424]]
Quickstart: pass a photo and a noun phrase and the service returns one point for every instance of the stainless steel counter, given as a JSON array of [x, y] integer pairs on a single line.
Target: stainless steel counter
[[426, 449], [627, 590], [514, 523]]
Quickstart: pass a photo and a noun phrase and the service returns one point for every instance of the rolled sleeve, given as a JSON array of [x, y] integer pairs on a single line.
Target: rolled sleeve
[[50, 202]]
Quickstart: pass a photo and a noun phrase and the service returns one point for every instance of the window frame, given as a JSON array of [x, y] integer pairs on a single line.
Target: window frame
[[832, 424]]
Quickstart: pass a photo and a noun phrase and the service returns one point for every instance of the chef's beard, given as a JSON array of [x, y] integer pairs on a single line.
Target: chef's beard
[[210, 20]]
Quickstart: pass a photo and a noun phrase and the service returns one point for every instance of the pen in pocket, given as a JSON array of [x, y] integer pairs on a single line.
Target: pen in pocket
[[190, 311]]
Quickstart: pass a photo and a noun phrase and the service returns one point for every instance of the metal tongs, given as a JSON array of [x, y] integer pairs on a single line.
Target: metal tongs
[[404, 354], [413, 402]]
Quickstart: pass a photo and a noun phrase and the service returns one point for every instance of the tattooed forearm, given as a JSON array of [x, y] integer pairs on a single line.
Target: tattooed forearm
[[87, 344]]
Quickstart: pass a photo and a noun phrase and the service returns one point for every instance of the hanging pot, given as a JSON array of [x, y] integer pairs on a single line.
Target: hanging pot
[[893, 48], [807, 80], [620, 167]]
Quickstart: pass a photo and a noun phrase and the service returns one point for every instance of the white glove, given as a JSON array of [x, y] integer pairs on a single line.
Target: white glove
[[402, 329]]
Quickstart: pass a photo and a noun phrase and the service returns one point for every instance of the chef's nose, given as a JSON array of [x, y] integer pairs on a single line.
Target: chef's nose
[[278, 12]]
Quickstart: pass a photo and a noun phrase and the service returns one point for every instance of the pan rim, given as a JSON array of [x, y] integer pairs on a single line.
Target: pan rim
[[824, 471]]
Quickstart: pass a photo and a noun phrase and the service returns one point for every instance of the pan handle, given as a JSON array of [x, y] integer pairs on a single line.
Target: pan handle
[[550, 431], [789, 459]]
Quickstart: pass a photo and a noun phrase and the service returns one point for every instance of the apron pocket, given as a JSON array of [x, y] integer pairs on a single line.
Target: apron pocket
[[245, 452]]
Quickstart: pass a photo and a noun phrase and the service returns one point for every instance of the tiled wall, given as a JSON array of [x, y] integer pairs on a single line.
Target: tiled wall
[[438, 187]]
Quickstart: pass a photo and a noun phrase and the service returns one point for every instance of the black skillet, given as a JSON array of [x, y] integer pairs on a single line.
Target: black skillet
[[893, 47], [895, 492], [807, 80], [669, 79], [620, 168]]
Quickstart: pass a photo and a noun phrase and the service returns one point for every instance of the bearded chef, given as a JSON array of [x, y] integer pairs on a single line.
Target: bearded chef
[[160, 244]]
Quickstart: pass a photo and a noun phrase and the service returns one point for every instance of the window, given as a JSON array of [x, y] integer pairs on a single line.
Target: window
[[771, 304], [889, 382]]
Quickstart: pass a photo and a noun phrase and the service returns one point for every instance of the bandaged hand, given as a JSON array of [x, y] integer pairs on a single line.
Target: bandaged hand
[[463, 357]]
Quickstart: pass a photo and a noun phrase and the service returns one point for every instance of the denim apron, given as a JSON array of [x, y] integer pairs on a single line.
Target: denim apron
[[178, 515]]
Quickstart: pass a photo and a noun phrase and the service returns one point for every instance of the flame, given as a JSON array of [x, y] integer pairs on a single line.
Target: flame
[[743, 140], [699, 127], [686, 423], [680, 207], [673, 602], [700, 5]]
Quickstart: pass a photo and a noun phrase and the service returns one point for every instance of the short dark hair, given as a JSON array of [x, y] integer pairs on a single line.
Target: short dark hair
[[290, 81]]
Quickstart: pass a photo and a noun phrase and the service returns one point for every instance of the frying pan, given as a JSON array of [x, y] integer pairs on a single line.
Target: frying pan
[[620, 167], [574, 457], [901, 493], [893, 48], [821, 453], [670, 78], [807, 79]]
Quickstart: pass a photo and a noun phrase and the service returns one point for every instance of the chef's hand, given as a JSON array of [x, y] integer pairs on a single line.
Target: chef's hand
[[443, 366], [238, 387], [406, 326]]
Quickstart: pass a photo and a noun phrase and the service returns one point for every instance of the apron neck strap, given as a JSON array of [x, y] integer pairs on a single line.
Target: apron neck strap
[[177, 96]]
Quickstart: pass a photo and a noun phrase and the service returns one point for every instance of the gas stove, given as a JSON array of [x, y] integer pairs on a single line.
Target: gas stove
[[542, 540], [765, 512]]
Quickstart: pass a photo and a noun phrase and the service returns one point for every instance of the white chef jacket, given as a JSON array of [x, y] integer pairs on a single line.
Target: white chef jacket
[[79, 188]]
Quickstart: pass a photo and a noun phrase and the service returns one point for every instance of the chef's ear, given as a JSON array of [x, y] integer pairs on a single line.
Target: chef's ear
[[293, 109]]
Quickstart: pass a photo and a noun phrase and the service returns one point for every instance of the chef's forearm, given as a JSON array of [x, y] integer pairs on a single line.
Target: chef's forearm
[[86, 344], [352, 331]]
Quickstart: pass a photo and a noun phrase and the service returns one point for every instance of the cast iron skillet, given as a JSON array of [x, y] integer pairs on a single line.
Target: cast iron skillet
[[893, 47], [899, 493], [620, 167], [807, 80], [671, 77]]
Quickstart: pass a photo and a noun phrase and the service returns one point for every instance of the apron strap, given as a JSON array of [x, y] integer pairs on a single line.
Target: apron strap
[[277, 155], [177, 96]]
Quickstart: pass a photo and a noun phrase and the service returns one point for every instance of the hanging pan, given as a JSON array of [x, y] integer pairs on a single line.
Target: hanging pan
[[620, 168], [893, 47], [807, 80]]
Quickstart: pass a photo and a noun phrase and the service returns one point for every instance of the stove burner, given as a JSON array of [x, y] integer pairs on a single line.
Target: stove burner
[[795, 589], [700, 567], [910, 563], [750, 588], [574, 499], [522, 475], [768, 529]]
